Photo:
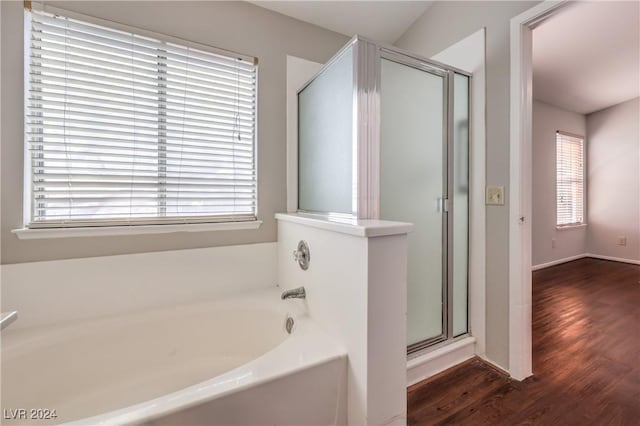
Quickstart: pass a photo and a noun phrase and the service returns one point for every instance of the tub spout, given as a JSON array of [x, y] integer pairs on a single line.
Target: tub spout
[[7, 318], [296, 293]]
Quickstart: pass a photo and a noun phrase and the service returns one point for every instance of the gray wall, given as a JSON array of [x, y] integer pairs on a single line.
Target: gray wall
[[236, 26], [442, 25], [547, 119], [613, 164]]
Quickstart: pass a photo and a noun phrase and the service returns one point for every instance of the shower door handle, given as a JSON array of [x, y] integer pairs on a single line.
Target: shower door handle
[[443, 205]]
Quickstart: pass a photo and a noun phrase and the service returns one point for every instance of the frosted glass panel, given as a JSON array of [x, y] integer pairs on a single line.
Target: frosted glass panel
[[411, 185], [460, 203], [325, 136]]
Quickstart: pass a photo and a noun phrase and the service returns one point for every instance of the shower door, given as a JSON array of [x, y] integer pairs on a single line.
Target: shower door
[[417, 145]]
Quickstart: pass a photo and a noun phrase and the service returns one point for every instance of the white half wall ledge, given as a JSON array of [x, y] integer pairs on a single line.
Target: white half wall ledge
[[356, 290], [355, 227]]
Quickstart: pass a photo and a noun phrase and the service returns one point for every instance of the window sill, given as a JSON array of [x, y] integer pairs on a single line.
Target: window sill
[[110, 231], [567, 227]]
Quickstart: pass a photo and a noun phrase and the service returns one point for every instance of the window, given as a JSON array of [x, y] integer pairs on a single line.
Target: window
[[569, 179], [123, 128]]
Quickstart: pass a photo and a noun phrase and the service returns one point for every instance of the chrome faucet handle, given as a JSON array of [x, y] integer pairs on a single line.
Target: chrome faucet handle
[[302, 255]]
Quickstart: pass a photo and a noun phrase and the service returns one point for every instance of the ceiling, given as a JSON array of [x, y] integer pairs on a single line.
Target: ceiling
[[587, 57], [383, 21]]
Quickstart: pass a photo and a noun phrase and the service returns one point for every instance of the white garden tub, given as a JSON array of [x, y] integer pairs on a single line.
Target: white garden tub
[[226, 362]]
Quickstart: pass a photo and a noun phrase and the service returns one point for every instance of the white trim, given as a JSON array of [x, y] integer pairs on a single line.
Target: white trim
[[0, 131], [457, 55], [366, 153], [299, 71], [477, 309], [520, 190], [583, 256], [494, 365], [583, 146], [102, 231], [568, 227], [359, 228], [559, 261], [614, 259], [433, 362], [27, 180]]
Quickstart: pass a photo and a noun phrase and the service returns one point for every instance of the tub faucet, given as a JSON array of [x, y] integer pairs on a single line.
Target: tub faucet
[[296, 293], [7, 318]]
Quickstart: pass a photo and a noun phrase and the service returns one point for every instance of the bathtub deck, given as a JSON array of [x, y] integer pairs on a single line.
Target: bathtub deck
[[147, 365]]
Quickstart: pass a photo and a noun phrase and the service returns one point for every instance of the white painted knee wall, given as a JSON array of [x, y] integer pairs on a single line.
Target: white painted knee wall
[[356, 289]]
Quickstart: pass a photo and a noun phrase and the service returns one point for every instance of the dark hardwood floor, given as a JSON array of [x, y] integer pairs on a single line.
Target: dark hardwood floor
[[586, 359]]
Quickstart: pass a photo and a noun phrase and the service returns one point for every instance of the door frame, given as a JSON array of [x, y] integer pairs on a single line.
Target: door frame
[[520, 185]]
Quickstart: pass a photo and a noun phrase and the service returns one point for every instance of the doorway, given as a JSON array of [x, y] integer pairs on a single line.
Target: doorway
[[570, 149]]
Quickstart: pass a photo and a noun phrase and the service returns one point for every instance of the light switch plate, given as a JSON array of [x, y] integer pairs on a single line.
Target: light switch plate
[[495, 195]]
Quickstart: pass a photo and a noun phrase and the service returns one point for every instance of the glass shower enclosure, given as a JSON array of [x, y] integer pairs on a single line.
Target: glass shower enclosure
[[384, 134]]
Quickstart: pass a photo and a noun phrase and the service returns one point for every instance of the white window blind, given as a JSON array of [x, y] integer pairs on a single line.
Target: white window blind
[[128, 129], [569, 179]]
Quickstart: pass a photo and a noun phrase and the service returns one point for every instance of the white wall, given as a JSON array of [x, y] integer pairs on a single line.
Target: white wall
[[444, 24], [357, 291], [569, 242], [469, 55], [50, 292], [613, 164], [612, 182], [236, 26]]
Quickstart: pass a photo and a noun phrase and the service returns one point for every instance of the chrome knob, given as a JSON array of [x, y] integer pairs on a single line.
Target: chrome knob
[[302, 255]]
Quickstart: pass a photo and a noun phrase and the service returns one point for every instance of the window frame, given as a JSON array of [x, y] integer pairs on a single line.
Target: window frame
[[583, 142], [119, 226]]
